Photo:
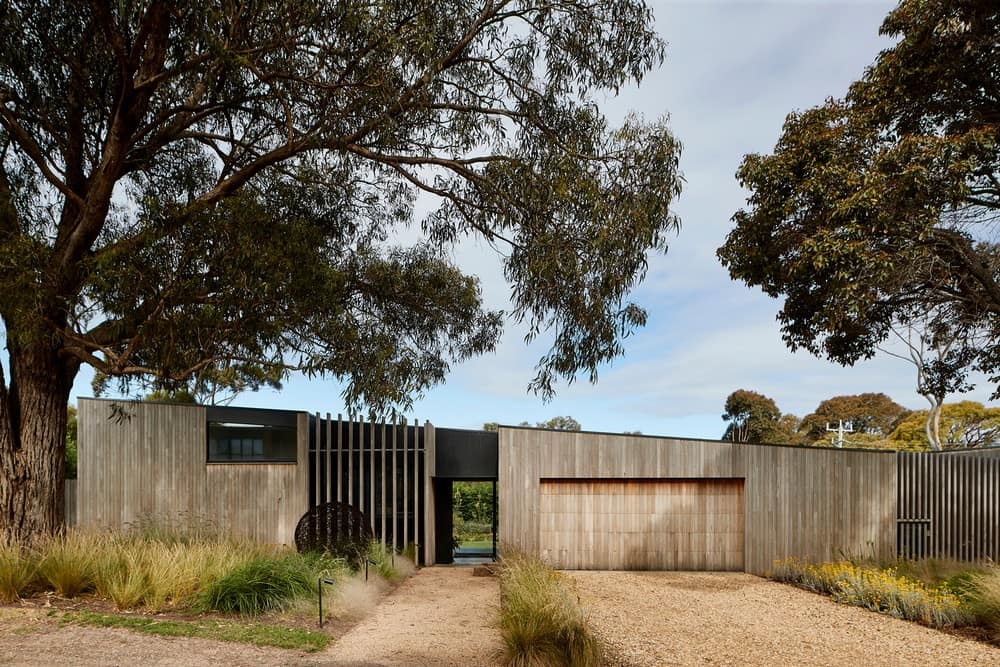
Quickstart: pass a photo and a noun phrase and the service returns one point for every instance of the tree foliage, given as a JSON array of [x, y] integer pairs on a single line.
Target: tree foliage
[[213, 191], [882, 207], [566, 423], [872, 413], [963, 424], [755, 418]]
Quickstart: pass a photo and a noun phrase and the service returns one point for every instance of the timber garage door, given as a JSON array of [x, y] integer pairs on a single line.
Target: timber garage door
[[655, 524]]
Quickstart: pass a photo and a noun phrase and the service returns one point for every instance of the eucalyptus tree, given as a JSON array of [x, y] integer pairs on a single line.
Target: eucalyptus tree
[[882, 207], [213, 184]]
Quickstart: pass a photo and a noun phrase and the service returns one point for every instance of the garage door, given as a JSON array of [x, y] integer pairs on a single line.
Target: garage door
[[642, 524]]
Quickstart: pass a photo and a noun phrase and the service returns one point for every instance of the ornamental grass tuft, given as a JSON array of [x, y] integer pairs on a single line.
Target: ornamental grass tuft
[[984, 600], [540, 617], [18, 570], [263, 583]]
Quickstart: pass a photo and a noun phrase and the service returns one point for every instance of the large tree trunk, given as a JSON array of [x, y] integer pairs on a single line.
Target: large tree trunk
[[33, 439]]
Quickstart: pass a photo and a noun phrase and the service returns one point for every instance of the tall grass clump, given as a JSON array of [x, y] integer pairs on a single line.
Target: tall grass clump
[[883, 590], [68, 562], [18, 570], [263, 583], [983, 596], [121, 575], [540, 618]]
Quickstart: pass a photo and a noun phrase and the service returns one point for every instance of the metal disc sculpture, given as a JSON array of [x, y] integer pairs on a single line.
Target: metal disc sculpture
[[338, 529]]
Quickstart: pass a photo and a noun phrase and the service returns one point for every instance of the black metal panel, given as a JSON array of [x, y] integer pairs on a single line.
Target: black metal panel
[[232, 415], [444, 528], [461, 454]]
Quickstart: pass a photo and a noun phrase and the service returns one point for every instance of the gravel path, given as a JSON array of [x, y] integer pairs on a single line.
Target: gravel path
[[440, 616], [674, 618]]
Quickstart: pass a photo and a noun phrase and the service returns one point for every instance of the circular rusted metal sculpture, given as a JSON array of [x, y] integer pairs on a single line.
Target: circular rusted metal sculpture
[[338, 529]]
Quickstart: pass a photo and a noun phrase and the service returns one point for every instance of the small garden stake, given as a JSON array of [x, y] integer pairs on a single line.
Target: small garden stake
[[319, 591]]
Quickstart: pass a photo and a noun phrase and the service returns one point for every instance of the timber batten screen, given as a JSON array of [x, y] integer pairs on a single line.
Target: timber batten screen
[[379, 468], [949, 504]]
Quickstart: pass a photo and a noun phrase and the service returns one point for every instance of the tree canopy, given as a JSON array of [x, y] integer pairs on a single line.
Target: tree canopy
[[963, 424], [565, 423], [872, 413], [881, 207], [756, 418], [214, 190]]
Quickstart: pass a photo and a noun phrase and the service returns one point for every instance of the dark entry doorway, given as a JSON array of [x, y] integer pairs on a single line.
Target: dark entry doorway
[[474, 515], [465, 496]]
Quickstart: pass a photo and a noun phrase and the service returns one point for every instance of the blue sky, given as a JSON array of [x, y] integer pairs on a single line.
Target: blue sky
[[733, 72]]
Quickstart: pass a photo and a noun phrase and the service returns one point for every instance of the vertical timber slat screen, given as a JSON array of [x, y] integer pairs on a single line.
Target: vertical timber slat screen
[[949, 505], [378, 468]]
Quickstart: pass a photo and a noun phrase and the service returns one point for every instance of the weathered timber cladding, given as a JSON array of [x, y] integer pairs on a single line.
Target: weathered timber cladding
[[642, 524], [151, 465], [70, 504], [949, 505], [804, 502]]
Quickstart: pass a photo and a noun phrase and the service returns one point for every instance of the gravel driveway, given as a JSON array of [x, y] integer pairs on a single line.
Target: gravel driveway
[[689, 618], [442, 616]]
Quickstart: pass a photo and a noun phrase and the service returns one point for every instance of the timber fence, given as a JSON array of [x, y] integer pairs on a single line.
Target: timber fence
[[949, 505]]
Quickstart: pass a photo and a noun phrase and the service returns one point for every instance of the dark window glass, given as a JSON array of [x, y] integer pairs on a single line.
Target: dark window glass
[[242, 443]]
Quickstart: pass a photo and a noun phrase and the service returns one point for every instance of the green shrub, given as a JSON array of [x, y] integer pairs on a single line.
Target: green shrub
[[540, 618], [264, 583], [18, 570]]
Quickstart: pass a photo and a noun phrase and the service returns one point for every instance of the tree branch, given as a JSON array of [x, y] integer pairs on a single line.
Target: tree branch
[[27, 144]]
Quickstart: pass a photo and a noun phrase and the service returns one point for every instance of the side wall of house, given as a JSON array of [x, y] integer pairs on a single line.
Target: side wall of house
[[147, 462], [802, 502]]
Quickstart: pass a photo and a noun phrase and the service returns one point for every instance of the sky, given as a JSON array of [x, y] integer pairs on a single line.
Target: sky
[[733, 71]]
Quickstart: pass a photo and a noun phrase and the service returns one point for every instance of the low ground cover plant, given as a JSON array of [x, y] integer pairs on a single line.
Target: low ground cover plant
[[940, 594], [540, 617], [248, 633]]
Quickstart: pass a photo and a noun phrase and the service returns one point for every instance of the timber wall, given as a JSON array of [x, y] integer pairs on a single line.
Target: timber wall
[[809, 503], [147, 462]]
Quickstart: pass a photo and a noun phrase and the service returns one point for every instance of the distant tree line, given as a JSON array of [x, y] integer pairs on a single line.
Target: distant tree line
[[872, 420]]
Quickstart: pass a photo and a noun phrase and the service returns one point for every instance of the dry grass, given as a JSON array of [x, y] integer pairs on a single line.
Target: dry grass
[[18, 570], [352, 598], [984, 600], [68, 562], [540, 618]]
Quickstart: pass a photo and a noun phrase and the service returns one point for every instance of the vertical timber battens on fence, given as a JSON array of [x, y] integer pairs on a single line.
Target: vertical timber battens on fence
[[371, 470], [948, 505], [395, 508], [328, 455], [317, 454], [406, 497], [350, 459], [382, 488], [429, 537], [340, 463], [417, 489]]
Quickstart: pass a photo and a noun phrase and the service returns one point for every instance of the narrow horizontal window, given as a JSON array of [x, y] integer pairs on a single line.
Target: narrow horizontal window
[[251, 443]]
